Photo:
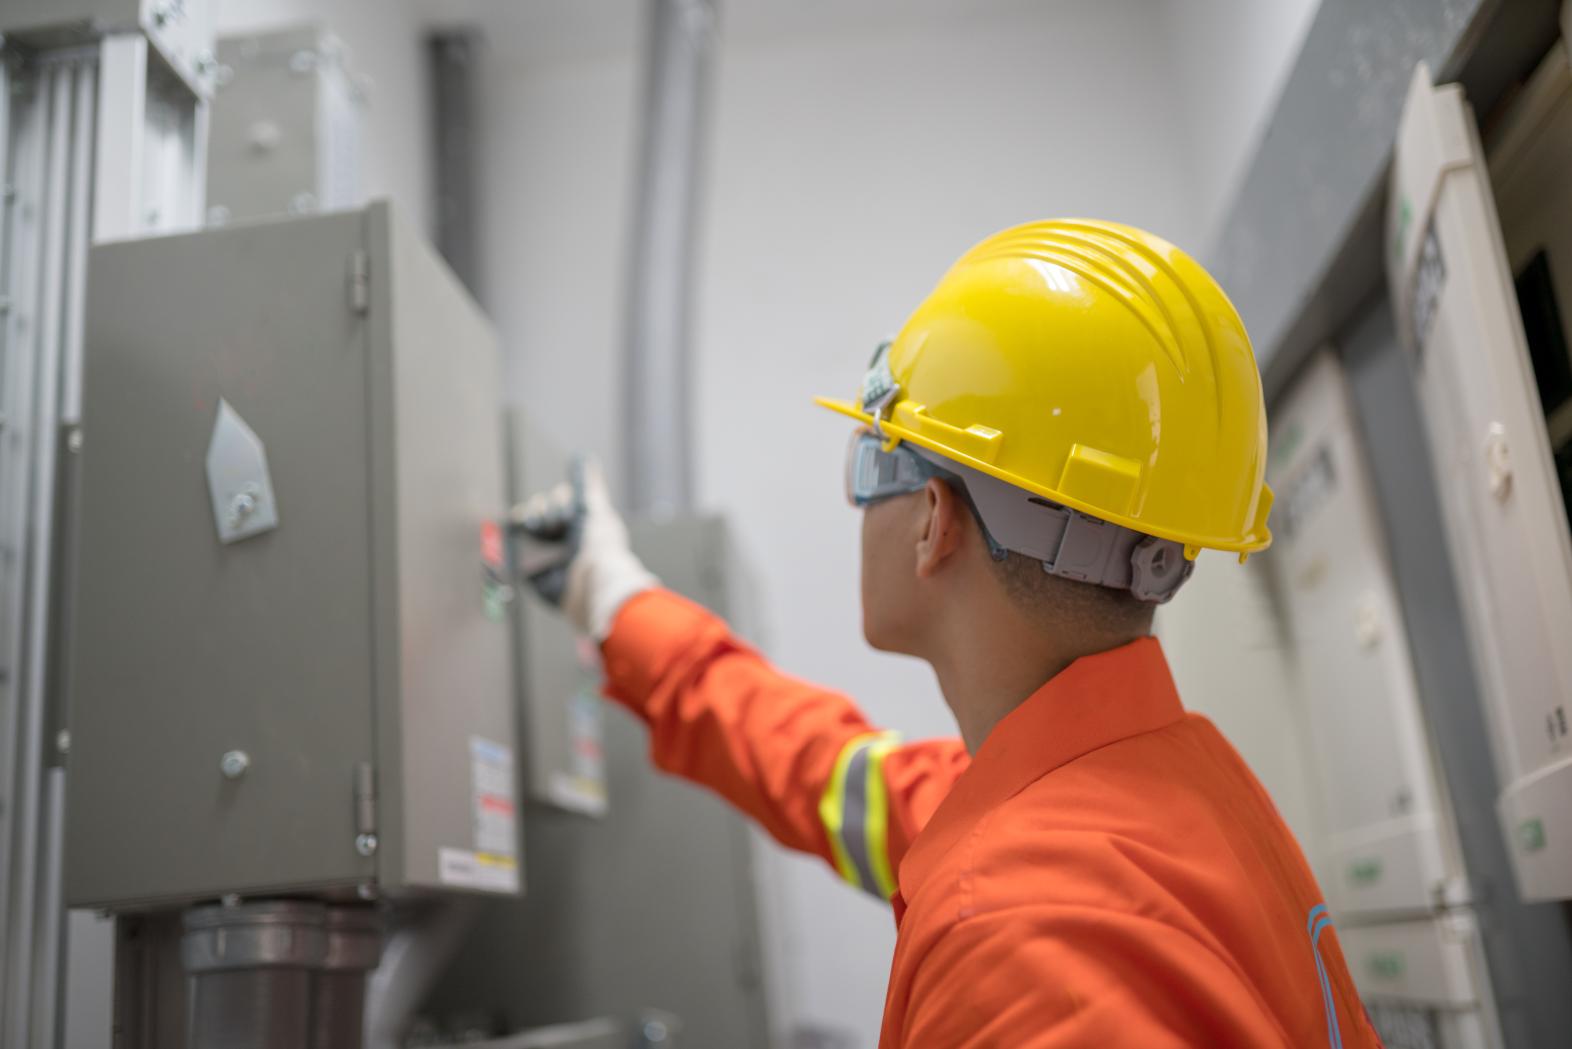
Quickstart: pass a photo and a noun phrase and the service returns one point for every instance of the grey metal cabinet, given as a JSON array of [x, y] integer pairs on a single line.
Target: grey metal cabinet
[[320, 705]]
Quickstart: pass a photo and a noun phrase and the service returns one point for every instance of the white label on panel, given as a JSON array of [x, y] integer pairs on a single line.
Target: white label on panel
[[583, 787], [464, 869], [496, 815]]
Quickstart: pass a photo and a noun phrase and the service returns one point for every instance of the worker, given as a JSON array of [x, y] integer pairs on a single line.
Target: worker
[[1041, 452]]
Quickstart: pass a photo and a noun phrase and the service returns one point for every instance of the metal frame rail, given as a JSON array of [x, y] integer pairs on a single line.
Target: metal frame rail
[[99, 139]]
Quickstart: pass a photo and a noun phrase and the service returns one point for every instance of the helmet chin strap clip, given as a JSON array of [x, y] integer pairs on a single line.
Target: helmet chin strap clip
[[879, 390]]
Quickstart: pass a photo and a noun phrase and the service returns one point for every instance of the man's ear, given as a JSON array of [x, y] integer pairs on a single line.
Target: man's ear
[[941, 528]]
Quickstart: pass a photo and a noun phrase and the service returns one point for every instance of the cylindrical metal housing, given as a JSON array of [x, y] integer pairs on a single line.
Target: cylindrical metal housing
[[250, 969], [354, 947]]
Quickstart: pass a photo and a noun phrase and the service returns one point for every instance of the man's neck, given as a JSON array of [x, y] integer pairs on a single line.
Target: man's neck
[[986, 668]]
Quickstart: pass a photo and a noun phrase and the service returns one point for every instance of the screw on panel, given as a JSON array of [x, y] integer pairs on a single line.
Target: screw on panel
[[74, 439], [234, 764], [63, 741], [166, 13], [366, 844], [243, 505]]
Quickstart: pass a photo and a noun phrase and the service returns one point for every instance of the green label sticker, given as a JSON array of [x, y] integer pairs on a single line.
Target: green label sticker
[[1387, 965], [1365, 872], [1531, 835], [1405, 215]]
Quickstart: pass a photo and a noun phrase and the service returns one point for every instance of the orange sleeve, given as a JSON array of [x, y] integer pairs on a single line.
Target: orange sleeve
[[720, 715], [1054, 977]]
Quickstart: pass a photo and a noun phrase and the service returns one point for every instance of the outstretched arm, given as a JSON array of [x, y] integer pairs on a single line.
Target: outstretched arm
[[801, 760]]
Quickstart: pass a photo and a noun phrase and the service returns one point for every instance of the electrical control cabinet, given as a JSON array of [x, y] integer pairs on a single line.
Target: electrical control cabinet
[[1390, 863], [1389, 846], [285, 132], [288, 661], [651, 905], [1504, 510]]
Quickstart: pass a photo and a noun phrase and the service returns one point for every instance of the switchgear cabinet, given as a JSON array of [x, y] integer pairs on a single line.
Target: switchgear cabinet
[[288, 662], [1504, 510], [1390, 862], [647, 900]]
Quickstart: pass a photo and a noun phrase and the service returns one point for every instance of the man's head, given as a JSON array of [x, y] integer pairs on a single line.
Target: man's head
[[1068, 418], [927, 561]]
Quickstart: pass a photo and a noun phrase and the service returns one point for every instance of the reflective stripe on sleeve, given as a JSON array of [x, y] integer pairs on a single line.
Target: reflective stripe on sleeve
[[855, 812]]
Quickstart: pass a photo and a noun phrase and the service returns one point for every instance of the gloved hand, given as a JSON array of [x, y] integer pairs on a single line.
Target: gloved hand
[[595, 571]]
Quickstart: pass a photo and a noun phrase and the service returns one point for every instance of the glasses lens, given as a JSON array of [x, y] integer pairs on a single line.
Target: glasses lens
[[861, 468], [873, 473]]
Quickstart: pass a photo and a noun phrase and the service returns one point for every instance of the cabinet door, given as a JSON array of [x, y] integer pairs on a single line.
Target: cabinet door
[[1389, 845], [1502, 503], [185, 647]]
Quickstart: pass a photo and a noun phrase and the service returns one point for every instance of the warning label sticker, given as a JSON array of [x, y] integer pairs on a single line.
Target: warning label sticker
[[491, 776], [493, 863]]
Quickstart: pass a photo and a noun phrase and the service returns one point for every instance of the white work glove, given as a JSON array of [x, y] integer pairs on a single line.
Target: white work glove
[[594, 572]]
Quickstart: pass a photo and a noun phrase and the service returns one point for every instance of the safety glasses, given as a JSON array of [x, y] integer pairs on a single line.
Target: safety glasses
[[1069, 543], [874, 474]]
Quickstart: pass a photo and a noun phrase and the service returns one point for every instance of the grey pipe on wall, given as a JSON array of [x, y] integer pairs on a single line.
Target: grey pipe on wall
[[657, 433]]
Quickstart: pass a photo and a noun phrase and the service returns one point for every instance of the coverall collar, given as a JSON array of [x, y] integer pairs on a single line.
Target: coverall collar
[[1097, 700]]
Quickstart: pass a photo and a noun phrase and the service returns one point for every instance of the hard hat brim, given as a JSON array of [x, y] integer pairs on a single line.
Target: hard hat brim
[[1257, 539]]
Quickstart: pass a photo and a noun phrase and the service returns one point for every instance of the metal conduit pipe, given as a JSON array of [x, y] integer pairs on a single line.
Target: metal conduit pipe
[[658, 428]]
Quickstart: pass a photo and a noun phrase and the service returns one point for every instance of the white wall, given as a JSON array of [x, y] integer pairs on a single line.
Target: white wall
[[558, 149], [1231, 59]]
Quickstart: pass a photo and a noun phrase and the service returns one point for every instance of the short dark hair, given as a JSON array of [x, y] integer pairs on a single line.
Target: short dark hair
[[1055, 599]]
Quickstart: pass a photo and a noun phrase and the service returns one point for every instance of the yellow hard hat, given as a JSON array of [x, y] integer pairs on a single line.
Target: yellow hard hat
[[1091, 364]]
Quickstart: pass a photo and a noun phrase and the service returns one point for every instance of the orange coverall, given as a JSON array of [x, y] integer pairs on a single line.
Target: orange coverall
[[1105, 872]]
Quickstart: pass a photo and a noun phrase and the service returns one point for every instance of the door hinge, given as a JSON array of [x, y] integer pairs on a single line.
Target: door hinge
[[359, 281], [365, 808]]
